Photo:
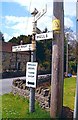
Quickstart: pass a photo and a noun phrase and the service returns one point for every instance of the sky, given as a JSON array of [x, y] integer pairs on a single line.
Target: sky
[[16, 19]]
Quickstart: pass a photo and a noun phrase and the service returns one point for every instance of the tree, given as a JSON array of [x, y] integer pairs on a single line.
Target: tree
[[40, 52], [44, 53], [71, 50], [14, 40], [25, 39], [77, 52]]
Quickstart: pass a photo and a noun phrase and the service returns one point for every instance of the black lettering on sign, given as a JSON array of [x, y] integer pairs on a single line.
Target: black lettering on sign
[[30, 76], [31, 68], [31, 64], [31, 72], [32, 83]]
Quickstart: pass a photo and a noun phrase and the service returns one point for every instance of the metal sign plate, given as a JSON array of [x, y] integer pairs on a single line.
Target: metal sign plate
[[44, 36], [25, 47], [31, 74], [40, 14]]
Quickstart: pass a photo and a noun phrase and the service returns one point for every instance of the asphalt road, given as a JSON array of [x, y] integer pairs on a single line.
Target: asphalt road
[[6, 84]]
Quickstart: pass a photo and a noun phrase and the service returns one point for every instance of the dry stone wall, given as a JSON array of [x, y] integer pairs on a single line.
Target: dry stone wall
[[42, 92]]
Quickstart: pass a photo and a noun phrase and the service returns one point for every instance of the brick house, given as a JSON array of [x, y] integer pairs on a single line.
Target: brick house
[[12, 61]]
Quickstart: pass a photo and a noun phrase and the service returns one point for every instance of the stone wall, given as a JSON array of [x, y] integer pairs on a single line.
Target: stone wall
[[42, 95], [42, 92]]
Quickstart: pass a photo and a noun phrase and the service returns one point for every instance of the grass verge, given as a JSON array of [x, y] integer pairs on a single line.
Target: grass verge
[[69, 92], [18, 107]]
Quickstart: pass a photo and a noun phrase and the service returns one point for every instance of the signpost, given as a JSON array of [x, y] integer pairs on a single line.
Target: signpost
[[31, 74], [36, 15], [44, 36], [19, 48]]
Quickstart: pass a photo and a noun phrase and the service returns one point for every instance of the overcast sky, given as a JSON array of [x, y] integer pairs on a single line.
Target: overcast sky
[[16, 19]]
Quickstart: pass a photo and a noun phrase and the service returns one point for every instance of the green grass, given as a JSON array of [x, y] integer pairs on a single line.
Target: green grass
[[69, 92], [17, 107], [0, 107]]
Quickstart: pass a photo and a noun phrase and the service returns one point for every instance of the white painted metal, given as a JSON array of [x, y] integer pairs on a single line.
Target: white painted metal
[[19, 48], [40, 14], [31, 74], [44, 36]]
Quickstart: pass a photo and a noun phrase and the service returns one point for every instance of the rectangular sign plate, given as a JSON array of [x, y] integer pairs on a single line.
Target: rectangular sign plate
[[31, 74], [25, 47], [40, 14], [44, 36]]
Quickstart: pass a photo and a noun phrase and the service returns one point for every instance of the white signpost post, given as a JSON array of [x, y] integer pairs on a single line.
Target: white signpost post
[[19, 48], [44, 36], [31, 74]]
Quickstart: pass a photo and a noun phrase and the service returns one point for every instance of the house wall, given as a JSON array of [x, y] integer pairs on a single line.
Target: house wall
[[12, 61]]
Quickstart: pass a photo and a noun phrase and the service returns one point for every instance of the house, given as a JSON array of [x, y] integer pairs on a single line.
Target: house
[[12, 61]]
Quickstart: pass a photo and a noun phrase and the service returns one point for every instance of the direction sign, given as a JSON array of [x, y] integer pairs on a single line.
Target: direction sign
[[40, 14], [44, 36], [31, 74], [25, 47]]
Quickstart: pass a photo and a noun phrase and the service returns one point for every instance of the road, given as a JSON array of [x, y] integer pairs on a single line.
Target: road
[[6, 84]]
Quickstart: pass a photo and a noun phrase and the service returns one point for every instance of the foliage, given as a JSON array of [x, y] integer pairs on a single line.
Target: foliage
[[14, 40], [77, 52], [72, 67], [72, 56], [65, 42], [18, 107], [23, 38], [46, 65], [44, 54], [40, 52]]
